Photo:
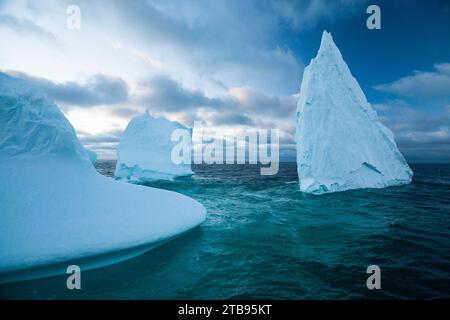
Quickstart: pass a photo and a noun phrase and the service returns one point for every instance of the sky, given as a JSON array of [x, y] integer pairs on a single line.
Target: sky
[[234, 64]]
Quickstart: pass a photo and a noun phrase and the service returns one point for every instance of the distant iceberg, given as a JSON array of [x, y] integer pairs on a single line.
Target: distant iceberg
[[341, 144], [56, 210], [145, 148]]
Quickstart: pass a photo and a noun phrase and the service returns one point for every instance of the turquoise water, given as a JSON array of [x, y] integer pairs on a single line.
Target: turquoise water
[[264, 239]]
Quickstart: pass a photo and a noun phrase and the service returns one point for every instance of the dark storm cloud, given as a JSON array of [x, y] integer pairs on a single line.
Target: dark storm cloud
[[98, 90]]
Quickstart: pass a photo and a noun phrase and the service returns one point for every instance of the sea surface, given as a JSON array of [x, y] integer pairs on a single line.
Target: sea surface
[[264, 239]]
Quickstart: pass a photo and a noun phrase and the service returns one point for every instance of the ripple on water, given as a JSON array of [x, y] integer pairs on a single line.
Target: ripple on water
[[264, 239]]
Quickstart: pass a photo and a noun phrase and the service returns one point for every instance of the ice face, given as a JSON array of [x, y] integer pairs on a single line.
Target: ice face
[[56, 210], [145, 149], [341, 144], [30, 124], [92, 156]]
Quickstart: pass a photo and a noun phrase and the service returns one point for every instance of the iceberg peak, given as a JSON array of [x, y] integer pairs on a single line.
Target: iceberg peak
[[327, 42], [329, 51], [32, 125]]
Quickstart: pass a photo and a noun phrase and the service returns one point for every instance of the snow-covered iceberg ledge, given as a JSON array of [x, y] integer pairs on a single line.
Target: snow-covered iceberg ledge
[[56, 210], [145, 149], [341, 144]]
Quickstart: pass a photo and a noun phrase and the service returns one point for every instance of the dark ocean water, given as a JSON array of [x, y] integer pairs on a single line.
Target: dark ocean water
[[264, 239]]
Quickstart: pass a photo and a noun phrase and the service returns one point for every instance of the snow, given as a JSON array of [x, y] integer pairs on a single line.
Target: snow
[[145, 149], [341, 144], [56, 210]]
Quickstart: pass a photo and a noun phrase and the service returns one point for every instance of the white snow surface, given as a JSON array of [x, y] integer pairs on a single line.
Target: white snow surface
[[341, 144], [55, 207], [145, 148]]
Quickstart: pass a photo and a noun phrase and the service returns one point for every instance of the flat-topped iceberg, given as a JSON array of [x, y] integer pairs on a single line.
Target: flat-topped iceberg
[[145, 150], [56, 210], [341, 144]]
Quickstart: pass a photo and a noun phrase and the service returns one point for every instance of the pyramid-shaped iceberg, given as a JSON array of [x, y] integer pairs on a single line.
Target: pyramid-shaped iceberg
[[341, 144]]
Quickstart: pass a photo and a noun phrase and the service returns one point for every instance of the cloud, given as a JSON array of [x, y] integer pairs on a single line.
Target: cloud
[[402, 117], [98, 90], [422, 84], [419, 135], [215, 37], [105, 145], [239, 105], [26, 26], [303, 15], [250, 100], [163, 93], [100, 138], [154, 63], [125, 112], [232, 119]]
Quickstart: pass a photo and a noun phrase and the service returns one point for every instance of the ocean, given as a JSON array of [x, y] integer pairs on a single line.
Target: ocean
[[263, 239]]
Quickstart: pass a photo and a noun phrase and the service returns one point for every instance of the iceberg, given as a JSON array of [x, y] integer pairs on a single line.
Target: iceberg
[[92, 156], [56, 210], [341, 144], [145, 150]]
